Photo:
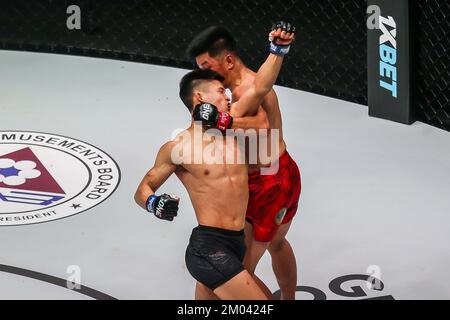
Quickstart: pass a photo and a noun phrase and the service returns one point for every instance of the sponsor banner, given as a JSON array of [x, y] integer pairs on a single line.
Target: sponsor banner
[[389, 60]]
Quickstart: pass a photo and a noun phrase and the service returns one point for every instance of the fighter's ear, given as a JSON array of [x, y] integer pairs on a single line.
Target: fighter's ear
[[230, 61], [198, 97]]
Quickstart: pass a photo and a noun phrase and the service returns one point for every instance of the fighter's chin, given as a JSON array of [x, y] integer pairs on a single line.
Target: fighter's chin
[[224, 109]]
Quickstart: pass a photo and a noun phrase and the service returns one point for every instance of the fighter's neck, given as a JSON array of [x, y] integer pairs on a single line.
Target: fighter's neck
[[237, 75]]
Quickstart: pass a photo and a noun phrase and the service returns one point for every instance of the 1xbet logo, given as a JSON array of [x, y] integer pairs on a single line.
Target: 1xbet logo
[[388, 47]]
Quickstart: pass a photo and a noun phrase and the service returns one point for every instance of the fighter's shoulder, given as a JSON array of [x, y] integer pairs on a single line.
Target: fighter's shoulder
[[180, 136], [169, 145], [165, 149], [165, 153]]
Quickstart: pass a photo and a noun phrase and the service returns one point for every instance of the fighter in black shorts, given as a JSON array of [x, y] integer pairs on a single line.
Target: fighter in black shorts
[[218, 191]]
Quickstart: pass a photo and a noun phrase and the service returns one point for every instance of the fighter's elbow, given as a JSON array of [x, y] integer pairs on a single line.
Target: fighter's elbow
[[138, 196]]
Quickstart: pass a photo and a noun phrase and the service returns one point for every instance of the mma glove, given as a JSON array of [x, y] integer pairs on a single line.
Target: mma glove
[[279, 46], [211, 117], [164, 207]]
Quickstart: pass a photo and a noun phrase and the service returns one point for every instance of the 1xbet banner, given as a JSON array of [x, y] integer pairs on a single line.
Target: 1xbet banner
[[389, 66]]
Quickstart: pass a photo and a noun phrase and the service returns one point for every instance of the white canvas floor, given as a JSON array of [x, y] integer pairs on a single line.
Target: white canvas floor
[[375, 194]]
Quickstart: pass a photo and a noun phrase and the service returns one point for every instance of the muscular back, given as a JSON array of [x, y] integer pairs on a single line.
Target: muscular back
[[218, 191]]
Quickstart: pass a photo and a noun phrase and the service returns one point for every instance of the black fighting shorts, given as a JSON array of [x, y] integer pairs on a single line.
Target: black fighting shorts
[[215, 255]]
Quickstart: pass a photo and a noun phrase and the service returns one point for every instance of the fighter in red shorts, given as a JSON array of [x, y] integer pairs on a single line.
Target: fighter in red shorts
[[273, 198]]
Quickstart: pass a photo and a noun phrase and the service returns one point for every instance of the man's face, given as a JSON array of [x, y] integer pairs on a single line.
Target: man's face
[[205, 61], [213, 92]]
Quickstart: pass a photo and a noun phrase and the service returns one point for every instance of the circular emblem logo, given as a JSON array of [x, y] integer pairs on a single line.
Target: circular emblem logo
[[45, 177]]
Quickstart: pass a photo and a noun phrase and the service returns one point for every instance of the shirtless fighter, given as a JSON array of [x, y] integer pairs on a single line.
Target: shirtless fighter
[[219, 192], [273, 199]]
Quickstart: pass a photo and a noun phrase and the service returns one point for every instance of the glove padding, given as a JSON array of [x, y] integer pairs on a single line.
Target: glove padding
[[164, 207], [211, 117], [280, 46]]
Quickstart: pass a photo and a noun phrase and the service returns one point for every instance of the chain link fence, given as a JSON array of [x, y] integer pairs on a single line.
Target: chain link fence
[[433, 65], [329, 56]]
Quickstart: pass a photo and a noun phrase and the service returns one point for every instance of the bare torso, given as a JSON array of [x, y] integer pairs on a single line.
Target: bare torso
[[273, 112], [218, 191]]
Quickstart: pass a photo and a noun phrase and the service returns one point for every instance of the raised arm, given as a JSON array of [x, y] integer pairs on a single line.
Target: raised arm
[[164, 206], [258, 121], [281, 37]]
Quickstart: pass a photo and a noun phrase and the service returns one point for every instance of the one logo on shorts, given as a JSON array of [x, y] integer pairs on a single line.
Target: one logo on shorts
[[45, 177], [280, 216]]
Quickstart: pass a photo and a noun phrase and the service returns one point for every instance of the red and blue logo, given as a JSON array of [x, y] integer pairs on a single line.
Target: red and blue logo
[[24, 179], [45, 177]]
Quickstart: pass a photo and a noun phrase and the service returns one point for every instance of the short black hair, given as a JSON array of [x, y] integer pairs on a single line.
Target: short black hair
[[191, 80], [214, 40]]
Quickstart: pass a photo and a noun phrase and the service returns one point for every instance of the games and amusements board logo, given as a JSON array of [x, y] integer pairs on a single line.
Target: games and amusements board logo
[[45, 177]]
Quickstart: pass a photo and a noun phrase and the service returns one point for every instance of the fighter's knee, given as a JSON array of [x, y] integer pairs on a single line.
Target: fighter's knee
[[277, 245]]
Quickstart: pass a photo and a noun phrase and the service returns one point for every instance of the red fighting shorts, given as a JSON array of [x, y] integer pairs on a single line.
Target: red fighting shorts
[[273, 199]]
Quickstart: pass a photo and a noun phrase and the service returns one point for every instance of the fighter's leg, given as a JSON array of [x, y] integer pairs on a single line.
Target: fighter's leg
[[253, 254], [202, 292], [240, 287], [255, 249], [284, 263]]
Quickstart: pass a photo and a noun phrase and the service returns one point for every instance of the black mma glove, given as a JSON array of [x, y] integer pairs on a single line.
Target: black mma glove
[[211, 117], [279, 46], [164, 207]]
